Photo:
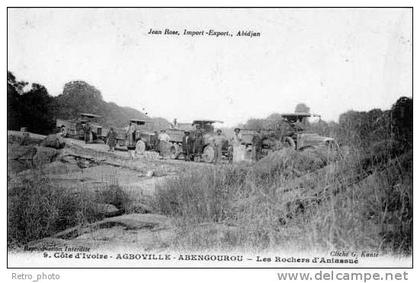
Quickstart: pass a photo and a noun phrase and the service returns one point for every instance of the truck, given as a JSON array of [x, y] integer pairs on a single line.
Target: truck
[[205, 128], [298, 138], [290, 133], [142, 139], [75, 128], [175, 143]]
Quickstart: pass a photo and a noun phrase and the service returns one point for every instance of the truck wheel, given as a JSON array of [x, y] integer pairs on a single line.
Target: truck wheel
[[181, 156], [140, 147], [307, 147], [289, 142], [208, 154], [173, 151]]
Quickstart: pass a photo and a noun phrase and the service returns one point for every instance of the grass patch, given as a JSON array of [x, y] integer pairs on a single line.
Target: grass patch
[[199, 195], [114, 195], [37, 209], [306, 200]]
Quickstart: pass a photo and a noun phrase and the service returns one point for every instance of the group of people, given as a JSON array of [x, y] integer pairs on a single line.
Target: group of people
[[192, 145], [158, 141], [239, 149]]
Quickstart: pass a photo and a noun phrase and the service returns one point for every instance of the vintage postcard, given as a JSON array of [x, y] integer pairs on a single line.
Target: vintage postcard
[[209, 137]]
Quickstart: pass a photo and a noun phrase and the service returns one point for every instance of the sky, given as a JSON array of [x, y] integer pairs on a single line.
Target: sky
[[333, 60]]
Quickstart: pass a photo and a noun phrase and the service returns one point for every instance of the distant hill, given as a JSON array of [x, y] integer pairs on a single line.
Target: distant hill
[[80, 97], [36, 110]]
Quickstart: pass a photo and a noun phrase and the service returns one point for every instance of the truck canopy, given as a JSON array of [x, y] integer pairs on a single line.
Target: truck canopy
[[201, 122], [138, 122], [184, 127], [89, 115], [299, 116]]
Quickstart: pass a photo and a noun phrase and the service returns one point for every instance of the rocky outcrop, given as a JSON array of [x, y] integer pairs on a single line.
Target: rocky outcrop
[[53, 141], [152, 222], [142, 231], [107, 210], [24, 138], [24, 152], [43, 156]]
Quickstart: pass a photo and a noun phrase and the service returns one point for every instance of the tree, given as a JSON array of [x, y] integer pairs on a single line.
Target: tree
[[158, 124], [13, 104], [274, 121], [402, 121], [33, 109], [38, 110], [302, 108], [79, 97], [255, 124], [17, 85]]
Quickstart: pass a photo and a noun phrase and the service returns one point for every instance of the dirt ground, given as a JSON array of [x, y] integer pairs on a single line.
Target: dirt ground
[[135, 175]]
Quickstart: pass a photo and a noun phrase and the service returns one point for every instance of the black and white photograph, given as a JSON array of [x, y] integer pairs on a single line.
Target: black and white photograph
[[210, 137]]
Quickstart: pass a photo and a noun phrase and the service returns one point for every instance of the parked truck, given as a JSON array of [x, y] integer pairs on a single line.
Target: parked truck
[[76, 128], [141, 140], [290, 132], [203, 129]]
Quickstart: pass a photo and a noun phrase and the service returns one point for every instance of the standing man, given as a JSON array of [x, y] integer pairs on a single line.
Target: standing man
[[187, 145], [111, 139], [198, 144], [87, 131], [131, 138], [256, 146], [155, 141], [219, 140], [164, 143], [238, 150], [163, 136]]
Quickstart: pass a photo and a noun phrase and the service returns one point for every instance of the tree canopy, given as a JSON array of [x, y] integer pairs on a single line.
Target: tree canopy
[[33, 109], [38, 111]]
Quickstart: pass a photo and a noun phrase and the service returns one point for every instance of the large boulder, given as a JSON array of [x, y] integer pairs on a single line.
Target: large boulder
[[24, 138], [44, 155], [107, 210], [53, 141]]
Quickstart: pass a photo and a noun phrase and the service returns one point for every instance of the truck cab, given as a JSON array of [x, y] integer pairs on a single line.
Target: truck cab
[[141, 138], [297, 137]]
